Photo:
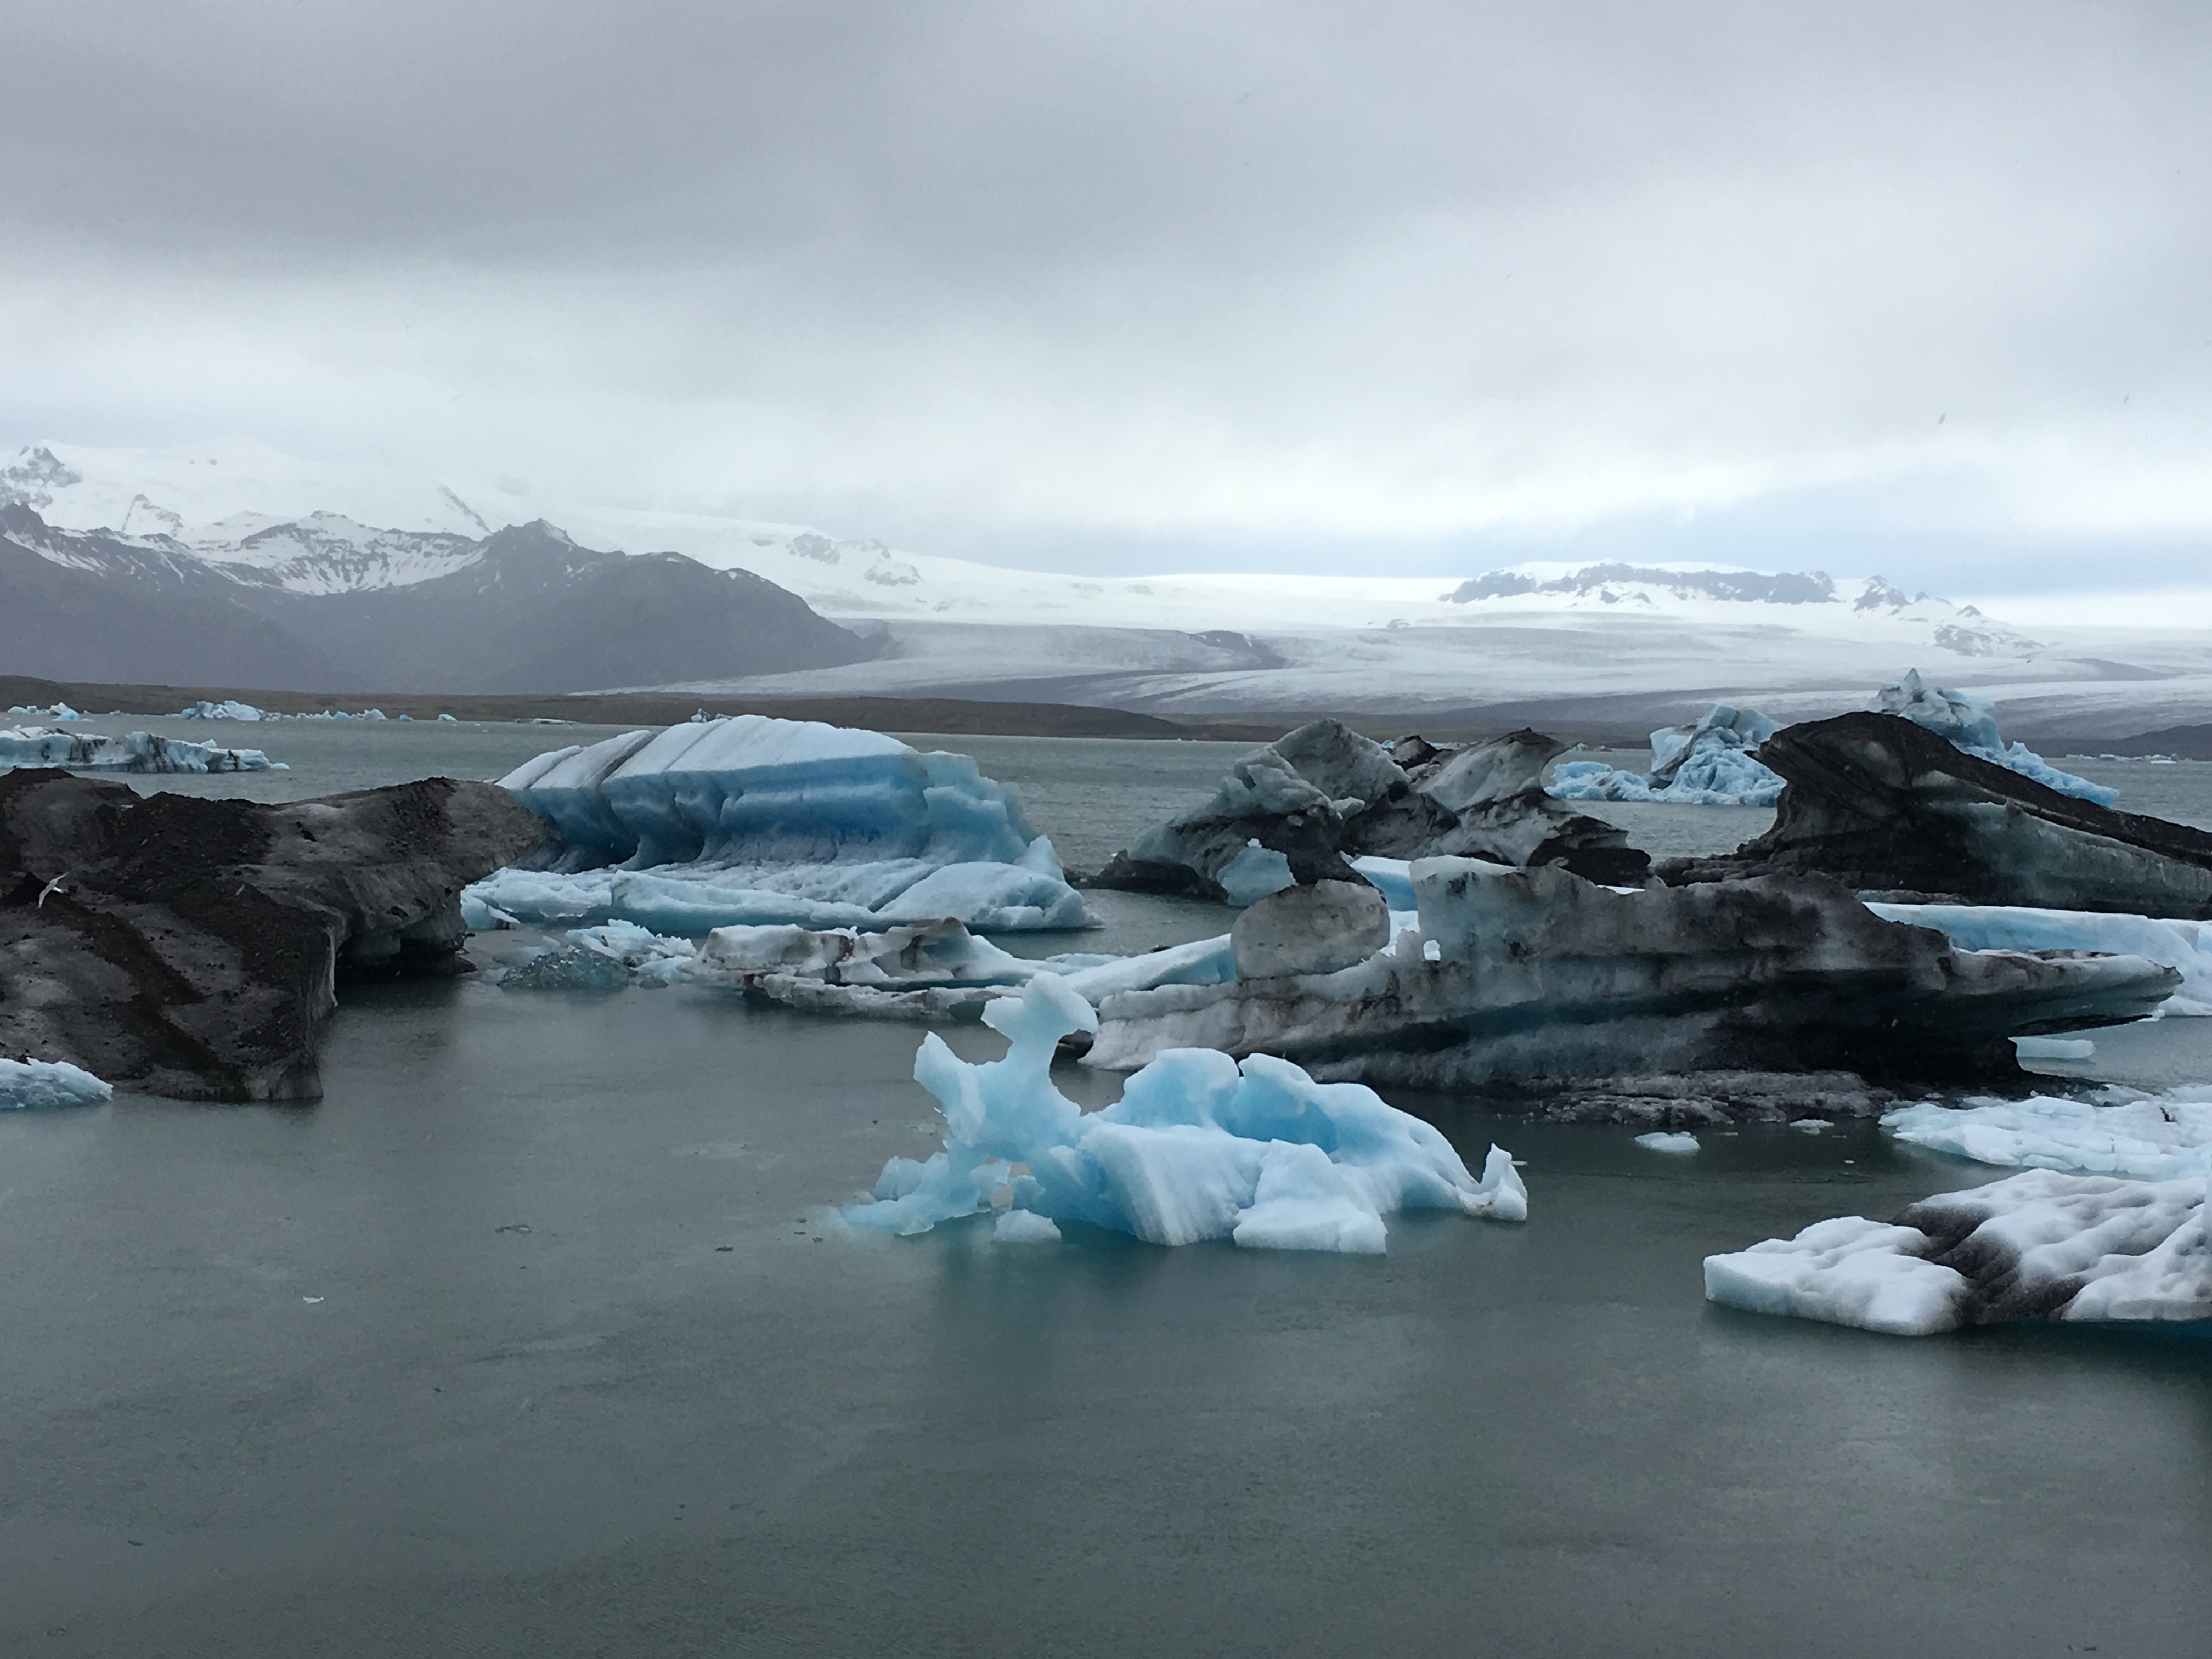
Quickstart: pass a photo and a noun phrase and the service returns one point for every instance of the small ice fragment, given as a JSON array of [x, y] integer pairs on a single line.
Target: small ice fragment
[[310, 1298], [1663, 1141], [2052, 1048], [33, 1086], [1023, 1227], [1811, 1126]]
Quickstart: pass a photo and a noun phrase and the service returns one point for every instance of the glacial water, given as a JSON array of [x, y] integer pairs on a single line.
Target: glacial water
[[538, 1336]]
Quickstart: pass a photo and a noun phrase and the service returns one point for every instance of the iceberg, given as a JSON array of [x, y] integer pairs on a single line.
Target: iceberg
[[1198, 1147], [1970, 723], [135, 751], [750, 821], [229, 709], [2183, 945], [2071, 1246], [1766, 997], [36, 1086], [1309, 806], [1709, 762], [2151, 1137], [1663, 1141]]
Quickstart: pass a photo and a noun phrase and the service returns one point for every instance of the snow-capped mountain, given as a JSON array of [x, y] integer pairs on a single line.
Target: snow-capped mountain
[[1619, 639]]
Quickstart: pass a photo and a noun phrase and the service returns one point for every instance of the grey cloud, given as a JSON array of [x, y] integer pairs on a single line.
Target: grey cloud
[[1225, 273]]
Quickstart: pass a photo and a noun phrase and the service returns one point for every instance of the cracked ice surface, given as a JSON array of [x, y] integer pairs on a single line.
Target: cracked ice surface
[[1198, 1147]]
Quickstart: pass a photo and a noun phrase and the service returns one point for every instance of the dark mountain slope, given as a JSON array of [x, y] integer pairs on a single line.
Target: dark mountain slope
[[90, 607], [537, 613]]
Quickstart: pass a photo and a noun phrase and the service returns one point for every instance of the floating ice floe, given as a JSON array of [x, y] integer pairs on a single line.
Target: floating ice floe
[[2123, 1131], [1970, 723], [1662, 1140], [1709, 762], [920, 971], [229, 709], [2041, 1243], [1198, 1147], [752, 821], [2184, 946], [135, 752], [33, 1086]]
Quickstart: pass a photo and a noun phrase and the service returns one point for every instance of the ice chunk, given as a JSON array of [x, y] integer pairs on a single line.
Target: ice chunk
[[2184, 945], [1665, 1142], [1707, 763], [2151, 1137], [135, 752], [2073, 1247], [1198, 1147], [1253, 873], [1849, 1271], [35, 1086], [1970, 723], [2052, 1048], [1024, 1227], [229, 709], [754, 821]]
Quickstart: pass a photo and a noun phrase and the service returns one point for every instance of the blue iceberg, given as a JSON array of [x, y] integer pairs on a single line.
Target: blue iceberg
[[1970, 724], [1198, 1147], [750, 821], [1709, 762], [35, 1086]]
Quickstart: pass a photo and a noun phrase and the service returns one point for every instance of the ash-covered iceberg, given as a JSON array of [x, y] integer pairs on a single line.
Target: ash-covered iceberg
[[2184, 945], [1708, 763], [135, 752], [1970, 723], [1198, 1147], [754, 821], [2039, 1244]]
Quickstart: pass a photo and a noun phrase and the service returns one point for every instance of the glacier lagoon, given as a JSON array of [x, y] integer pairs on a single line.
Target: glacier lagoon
[[522, 1341]]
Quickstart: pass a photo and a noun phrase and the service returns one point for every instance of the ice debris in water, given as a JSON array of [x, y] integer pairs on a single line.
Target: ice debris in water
[[2052, 1048], [1970, 723], [1198, 1147], [2172, 942], [2124, 1132], [34, 1086], [229, 709], [602, 959], [135, 752], [2069, 1246], [752, 821], [1663, 1141], [1709, 762]]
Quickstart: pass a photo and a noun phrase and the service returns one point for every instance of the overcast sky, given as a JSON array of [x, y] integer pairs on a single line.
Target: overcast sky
[[1923, 287]]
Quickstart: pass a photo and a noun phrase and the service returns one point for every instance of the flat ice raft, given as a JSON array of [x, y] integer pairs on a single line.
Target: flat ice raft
[[134, 751], [2041, 1243], [757, 821], [1198, 1147]]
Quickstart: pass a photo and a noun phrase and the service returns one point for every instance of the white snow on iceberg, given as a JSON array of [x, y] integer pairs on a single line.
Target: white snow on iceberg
[[135, 752], [2149, 1137], [1708, 763], [2184, 946], [2040, 1243], [1970, 723], [1198, 1147], [34, 1086], [756, 822]]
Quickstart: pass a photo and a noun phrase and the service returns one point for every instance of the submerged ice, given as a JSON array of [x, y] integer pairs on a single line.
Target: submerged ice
[[760, 822], [1198, 1147]]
